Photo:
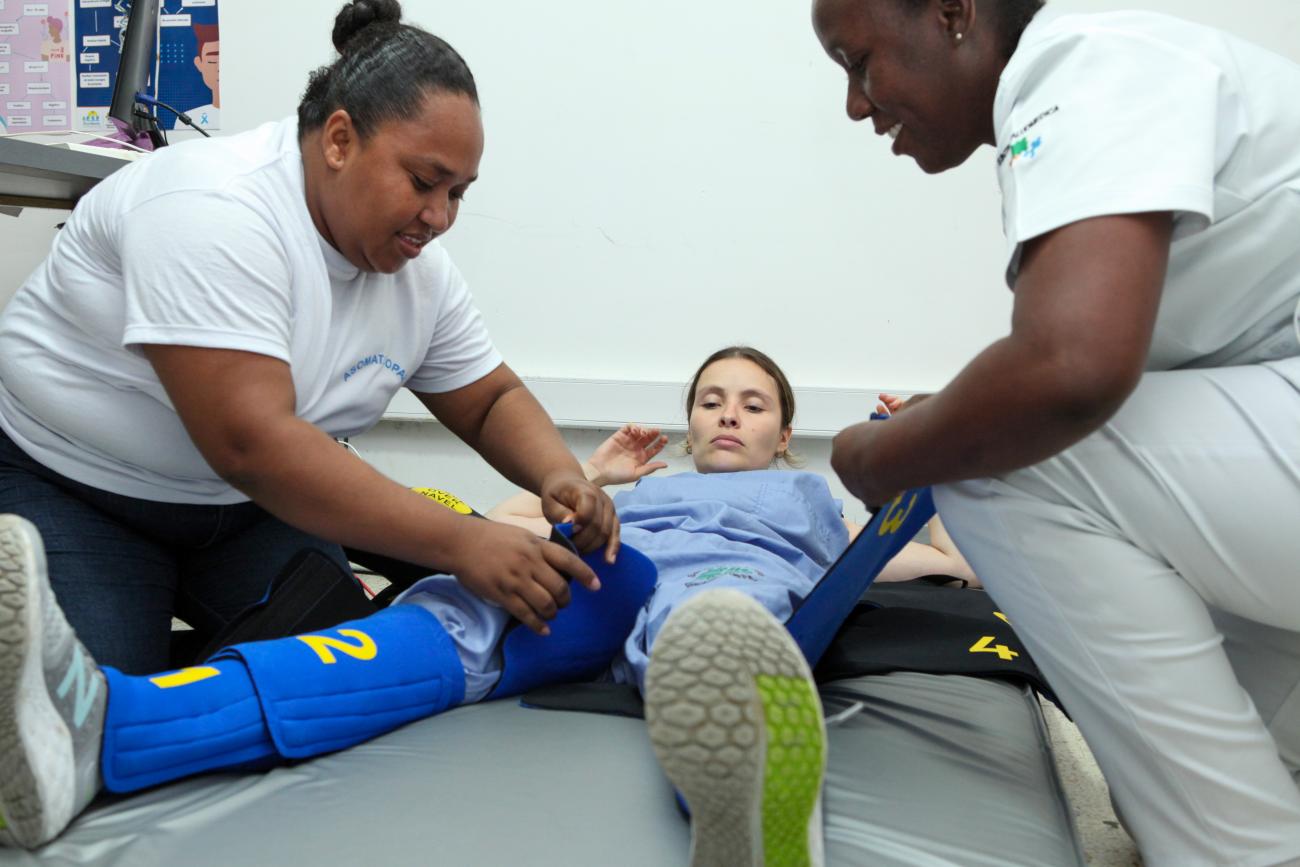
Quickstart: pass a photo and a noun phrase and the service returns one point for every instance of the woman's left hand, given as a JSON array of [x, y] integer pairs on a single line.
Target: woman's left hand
[[627, 455], [568, 497], [854, 457]]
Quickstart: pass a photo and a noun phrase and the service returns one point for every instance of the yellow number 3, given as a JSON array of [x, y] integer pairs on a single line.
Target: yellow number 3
[[1006, 654], [324, 645], [896, 515]]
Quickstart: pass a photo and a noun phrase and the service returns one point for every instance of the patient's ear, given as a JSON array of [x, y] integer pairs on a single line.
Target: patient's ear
[[783, 444]]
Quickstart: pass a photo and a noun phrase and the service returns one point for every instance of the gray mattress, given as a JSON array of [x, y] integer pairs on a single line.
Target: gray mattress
[[933, 770]]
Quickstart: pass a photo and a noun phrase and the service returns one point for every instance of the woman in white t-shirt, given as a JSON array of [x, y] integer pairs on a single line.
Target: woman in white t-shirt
[[172, 375], [1123, 469]]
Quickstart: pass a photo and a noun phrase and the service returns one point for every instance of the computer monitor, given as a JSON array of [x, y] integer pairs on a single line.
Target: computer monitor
[[139, 49]]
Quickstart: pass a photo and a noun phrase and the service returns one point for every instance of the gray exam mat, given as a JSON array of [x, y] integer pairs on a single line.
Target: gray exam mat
[[932, 770]]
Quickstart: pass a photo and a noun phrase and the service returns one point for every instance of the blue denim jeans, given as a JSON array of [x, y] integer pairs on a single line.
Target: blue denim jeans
[[122, 567]]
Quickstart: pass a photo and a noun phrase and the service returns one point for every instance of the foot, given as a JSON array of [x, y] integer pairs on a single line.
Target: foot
[[52, 700], [736, 723]]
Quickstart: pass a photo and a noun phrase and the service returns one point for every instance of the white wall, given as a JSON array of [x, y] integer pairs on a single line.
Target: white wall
[[24, 241], [663, 178]]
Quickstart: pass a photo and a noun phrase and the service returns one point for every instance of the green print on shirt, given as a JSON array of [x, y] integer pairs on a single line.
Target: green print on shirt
[[707, 575]]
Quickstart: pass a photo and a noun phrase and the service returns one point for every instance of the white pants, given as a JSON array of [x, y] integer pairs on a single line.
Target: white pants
[[1153, 570]]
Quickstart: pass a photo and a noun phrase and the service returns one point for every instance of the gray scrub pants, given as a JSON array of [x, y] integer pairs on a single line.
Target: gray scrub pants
[[1153, 570]]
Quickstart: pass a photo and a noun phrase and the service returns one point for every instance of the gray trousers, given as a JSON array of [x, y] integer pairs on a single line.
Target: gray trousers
[[1153, 570]]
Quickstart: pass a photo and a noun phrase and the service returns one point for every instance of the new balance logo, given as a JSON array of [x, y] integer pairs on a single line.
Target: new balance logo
[[87, 687]]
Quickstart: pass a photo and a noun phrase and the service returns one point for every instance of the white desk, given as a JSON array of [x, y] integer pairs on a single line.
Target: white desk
[[43, 176]]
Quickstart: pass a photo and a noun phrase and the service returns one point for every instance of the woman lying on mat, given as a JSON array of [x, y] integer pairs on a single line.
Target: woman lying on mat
[[756, 533], [740, 408], [628, 455]]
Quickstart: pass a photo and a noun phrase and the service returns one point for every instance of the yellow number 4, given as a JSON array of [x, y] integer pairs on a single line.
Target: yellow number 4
[[1006, 654]]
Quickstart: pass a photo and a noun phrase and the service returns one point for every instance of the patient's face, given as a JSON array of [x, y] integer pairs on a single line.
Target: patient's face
[[735, 422]]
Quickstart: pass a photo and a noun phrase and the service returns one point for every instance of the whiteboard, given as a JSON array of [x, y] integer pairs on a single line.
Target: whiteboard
[[662, 179]]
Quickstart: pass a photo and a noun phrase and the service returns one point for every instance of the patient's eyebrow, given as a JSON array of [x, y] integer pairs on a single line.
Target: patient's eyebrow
[[746, 393]]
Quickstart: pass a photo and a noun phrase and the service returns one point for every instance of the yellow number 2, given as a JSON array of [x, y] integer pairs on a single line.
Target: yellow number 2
[[324, 645], [1006, 654]]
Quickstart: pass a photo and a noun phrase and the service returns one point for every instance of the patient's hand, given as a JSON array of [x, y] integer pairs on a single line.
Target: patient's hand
[[626, 456], [889, 404], [892, 404]]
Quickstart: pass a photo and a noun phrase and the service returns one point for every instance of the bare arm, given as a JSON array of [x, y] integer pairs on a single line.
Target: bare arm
[[625, 456], [917, 559], [525, 509], [501, 420], [238, 408], [1085, 309]]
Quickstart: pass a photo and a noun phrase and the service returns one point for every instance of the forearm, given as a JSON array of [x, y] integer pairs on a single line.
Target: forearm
[[1006, 410], [300, 475], [526, 505], [520, 441], [917, 559]]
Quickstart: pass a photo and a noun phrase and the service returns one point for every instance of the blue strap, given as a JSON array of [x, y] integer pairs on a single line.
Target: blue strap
[[179, 723], [587, 633], [821, 613], [335, 688]]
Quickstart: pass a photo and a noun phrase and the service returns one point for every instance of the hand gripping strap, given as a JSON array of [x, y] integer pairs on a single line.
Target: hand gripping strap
[[173, 725], [819, 616], [336, 688], [587, 633]]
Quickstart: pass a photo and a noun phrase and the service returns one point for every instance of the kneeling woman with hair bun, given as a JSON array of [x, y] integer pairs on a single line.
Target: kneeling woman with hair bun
[[172, 376]]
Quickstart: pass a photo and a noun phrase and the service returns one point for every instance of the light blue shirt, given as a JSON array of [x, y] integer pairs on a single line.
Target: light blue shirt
[[768, 533]]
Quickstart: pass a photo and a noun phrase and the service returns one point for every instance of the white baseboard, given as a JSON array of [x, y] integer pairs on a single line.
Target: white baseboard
[[607, 405]]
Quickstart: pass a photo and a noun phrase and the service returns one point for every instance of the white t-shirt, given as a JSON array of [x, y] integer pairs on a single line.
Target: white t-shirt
[[1128, 112], [209, 244]]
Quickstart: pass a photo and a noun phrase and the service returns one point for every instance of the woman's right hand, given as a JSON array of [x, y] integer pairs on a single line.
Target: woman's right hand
[[524, 574], [889, 404], [626, 456], [892, 404]]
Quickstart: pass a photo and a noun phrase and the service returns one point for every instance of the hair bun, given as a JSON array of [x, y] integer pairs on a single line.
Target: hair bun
[[357, 15]]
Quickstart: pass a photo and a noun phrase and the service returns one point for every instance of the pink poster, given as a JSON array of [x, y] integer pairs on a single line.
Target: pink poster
[[35, 66]]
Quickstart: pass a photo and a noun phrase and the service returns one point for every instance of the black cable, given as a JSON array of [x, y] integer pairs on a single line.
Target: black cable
[[156, 136], [183, 117]]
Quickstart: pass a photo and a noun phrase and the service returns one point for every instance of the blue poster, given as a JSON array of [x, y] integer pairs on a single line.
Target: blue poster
[[188, 62]]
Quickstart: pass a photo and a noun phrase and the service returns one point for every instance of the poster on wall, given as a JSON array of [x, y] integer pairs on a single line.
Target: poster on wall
[[188, 62], [35, 66]]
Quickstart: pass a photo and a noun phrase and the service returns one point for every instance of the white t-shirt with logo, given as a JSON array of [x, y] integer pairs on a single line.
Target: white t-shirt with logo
[[1128, 112], [209, 244]]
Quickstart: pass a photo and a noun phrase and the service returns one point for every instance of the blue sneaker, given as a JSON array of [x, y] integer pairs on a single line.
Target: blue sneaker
[[52, 700], [736, 723]]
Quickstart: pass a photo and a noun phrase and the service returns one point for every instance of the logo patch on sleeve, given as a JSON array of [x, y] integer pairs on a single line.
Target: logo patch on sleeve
[[1025, 146]]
